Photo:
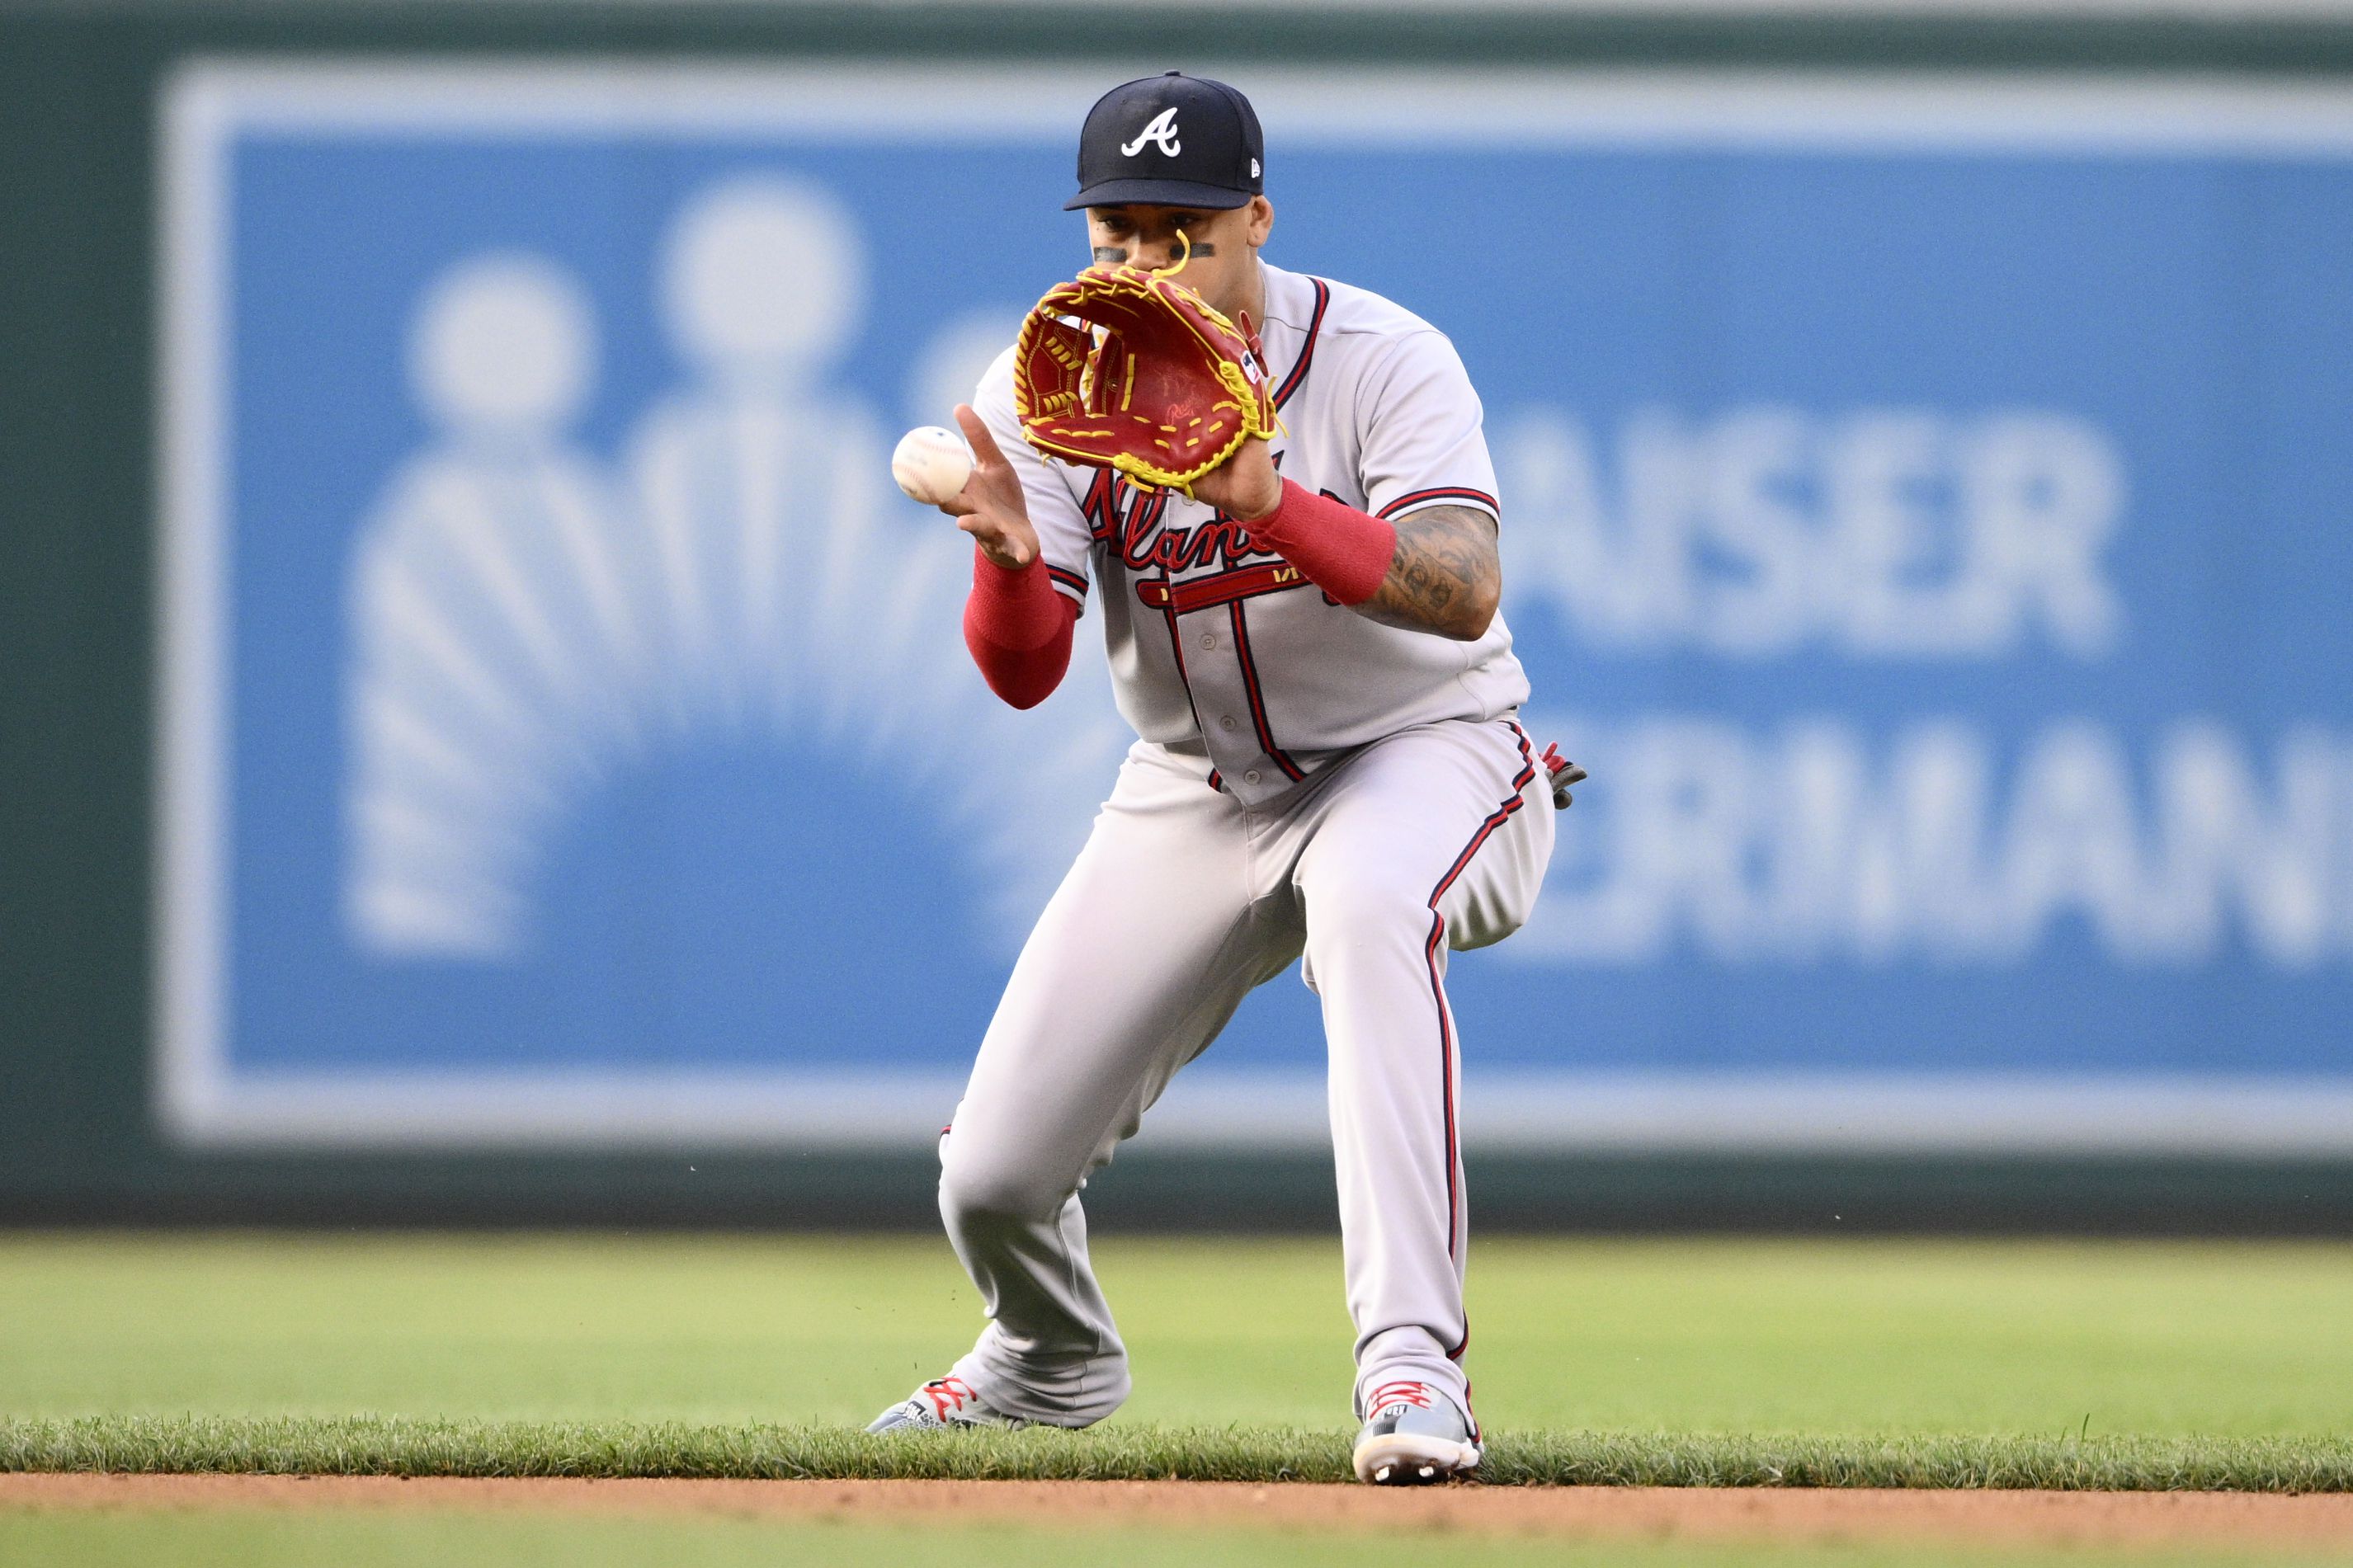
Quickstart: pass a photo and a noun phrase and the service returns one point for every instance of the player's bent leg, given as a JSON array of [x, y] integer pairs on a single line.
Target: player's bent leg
[[1394, 1087], [1433, 839], [1050, 1352], [1137, 962]]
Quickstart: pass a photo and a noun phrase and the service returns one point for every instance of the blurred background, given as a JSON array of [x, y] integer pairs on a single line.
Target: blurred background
[[486, 744]]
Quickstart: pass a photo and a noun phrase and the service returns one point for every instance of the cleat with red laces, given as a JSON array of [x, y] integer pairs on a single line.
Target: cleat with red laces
[[942, 1403], [1415, 1435]]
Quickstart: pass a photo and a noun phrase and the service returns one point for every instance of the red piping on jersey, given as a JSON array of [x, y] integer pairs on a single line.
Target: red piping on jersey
[[1074, 581], [1223, 588], [1306, 349], [1496, 819], [1452, 492], [1105, 522], [1256, 702], [1177, 647]]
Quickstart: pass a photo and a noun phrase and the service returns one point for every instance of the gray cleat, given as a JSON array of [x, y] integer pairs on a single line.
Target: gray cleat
[[942, 1403], [1415, 1435]]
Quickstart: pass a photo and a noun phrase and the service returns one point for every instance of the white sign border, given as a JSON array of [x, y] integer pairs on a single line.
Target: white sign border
[[205, 102]]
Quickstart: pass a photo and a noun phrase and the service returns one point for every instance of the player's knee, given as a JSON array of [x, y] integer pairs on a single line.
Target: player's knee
[[977, 1190]]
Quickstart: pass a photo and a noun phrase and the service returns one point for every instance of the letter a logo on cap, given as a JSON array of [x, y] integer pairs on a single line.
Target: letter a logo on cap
[[1161, 132]]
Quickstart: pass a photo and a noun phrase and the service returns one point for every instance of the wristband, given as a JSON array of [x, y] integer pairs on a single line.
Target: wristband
[[1342, 551], [1017, 626]]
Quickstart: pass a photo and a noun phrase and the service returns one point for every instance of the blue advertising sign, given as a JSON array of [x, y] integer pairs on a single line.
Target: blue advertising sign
[[1923, 510]]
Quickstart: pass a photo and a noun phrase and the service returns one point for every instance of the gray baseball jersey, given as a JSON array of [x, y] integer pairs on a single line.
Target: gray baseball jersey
[[1308, 785], [1214, 643]]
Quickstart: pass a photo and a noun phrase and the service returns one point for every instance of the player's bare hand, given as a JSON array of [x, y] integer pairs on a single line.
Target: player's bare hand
[[1245, 486], [990, 506]]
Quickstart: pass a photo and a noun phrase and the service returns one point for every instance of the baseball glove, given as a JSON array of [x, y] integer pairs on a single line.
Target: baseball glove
[[1127, 369]]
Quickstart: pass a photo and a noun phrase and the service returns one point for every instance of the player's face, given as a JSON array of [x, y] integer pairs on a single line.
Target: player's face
[[1225, 243]]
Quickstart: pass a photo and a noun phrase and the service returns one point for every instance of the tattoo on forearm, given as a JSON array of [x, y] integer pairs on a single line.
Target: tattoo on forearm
[[1445, 576]]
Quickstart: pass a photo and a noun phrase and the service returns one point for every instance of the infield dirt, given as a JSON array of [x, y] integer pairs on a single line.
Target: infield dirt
[[1652, 1514]]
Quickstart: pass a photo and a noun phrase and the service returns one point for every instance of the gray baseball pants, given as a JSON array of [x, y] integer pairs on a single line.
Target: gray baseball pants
[[1431, 840]]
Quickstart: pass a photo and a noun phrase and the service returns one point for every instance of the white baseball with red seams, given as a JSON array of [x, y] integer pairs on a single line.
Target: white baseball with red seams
[[931, 464], [1307, 783]]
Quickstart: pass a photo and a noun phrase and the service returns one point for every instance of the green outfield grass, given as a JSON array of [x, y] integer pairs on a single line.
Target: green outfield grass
[[1868, 1338], [1895, 1362], [363, 1541]]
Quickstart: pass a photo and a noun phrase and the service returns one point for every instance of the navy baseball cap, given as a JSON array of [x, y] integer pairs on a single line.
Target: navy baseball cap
[[1170, 140]]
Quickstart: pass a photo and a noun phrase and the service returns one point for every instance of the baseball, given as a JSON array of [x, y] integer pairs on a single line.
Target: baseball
[[931, 464]]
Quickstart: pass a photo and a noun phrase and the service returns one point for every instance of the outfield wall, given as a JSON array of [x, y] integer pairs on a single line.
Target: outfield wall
[[1922, 440]]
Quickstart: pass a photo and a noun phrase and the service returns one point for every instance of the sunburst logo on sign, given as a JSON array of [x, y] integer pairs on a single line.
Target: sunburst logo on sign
[[528, 620]]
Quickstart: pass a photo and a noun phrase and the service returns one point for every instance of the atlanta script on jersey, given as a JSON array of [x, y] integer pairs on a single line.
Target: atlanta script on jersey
[[1220, 647]]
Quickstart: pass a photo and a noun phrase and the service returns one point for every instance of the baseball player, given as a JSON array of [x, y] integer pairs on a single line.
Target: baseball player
[[1329, 767]]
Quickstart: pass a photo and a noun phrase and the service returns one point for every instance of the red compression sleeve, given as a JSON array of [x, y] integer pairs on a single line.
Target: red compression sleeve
[[1342, 551], [1017, 625]]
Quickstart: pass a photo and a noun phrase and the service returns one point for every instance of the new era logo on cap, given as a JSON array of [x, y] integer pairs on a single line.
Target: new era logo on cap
[[1170, 140]]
